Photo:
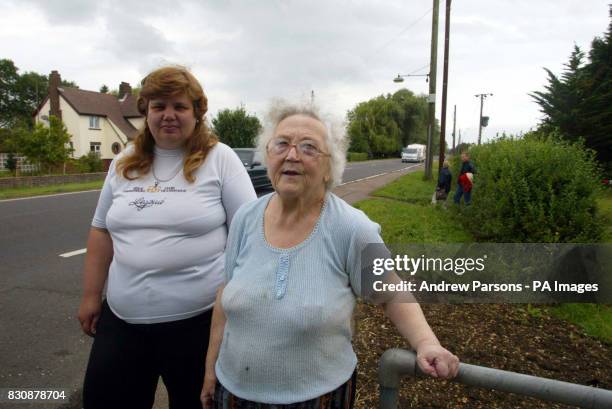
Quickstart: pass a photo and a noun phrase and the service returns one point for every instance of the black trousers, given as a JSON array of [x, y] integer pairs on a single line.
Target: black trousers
[[127, 360]]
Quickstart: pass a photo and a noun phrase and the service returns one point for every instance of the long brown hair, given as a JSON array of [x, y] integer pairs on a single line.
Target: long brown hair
[[166, 82]]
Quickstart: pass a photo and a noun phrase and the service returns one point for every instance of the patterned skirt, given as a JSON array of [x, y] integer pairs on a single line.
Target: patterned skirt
[[341, 398]]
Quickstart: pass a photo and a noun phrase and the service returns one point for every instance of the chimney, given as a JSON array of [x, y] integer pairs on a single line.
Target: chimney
[[54, 83], [124, 90]]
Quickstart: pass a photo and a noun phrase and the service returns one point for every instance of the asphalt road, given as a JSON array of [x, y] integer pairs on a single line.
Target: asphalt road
[[41, 345], [359, 170]]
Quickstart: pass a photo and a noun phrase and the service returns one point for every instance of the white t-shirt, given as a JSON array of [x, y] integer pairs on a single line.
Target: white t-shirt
[[169, 239]]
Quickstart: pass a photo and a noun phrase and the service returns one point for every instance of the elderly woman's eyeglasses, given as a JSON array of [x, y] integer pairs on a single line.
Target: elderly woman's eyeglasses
[[308, 149]]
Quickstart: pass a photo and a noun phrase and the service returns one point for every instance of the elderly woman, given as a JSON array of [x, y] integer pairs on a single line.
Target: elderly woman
[[157, 240], [281, 330]]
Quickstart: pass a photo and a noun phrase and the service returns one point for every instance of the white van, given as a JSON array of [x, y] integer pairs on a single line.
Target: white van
[[414, 153]]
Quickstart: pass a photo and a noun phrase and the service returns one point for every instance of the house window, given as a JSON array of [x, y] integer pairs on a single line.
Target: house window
[[94, 147], [116, 148], [94, 122]]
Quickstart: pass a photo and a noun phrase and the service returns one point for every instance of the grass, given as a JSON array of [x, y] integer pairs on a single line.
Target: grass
[[357, 157], [13, 193], [409, 223], [604, 205], [410, 188], [594, 319], [404, 211]]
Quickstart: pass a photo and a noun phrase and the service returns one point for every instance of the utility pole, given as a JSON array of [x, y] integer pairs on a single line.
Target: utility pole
[[432, 88], [454, 127], [444, 86], [482, 98]]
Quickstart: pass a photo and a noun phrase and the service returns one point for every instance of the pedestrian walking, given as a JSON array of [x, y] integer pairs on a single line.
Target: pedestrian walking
[[465, 180], [444, 183]]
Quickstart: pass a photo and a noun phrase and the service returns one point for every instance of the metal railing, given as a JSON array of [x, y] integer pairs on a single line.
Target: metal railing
[[396, 363]]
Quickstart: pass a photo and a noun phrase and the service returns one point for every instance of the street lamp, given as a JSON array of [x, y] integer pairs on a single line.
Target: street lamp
[[400, 78], [431, 102]]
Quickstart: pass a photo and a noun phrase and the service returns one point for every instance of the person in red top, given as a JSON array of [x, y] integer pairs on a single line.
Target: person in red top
[[464, 183]]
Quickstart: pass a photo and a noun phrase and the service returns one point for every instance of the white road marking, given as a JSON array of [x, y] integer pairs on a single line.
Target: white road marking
[[73, 253], [53, 195], [375, 176]]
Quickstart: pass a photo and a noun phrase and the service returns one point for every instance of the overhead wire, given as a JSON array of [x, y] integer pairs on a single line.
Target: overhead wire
[[418, 69], [385, 45], [404, 30]]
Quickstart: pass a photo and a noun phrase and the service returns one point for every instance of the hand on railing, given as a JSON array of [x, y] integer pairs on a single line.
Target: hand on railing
[[436, 361]]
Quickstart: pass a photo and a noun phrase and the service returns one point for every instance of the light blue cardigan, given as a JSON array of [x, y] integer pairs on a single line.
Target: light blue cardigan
[[287, 337]]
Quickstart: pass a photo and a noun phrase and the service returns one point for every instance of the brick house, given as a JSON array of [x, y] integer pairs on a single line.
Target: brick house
[[97, 122]]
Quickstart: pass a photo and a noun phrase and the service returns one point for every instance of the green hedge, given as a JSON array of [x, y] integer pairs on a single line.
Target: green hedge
[[356, 156], [528, 190], [89, 163]]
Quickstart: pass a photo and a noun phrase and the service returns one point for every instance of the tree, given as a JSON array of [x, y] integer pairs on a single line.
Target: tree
[[577, 104], [236, 128], [598, 96], [104, 89], [45, 146], [11, 162], [372, 126], [90, 163], [135, 92], [463, 147], [8, 83], [413, 118], [563, 99], [31, 89], [382, 125], [21, 94]]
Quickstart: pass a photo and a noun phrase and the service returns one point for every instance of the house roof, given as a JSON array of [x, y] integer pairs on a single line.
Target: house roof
[[129, 107], [99, 104], [107, 105]]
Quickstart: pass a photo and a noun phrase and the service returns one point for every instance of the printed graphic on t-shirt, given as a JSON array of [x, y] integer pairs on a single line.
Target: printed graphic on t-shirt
[[141, 203], [156, 188]]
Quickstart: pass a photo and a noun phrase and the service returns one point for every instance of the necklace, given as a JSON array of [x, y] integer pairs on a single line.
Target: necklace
[[156, 188]]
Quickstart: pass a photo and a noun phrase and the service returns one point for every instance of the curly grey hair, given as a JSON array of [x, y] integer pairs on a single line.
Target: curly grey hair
[[335, 138]]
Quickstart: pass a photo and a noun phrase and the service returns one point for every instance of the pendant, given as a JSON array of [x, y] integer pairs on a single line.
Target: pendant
[[155, 188]]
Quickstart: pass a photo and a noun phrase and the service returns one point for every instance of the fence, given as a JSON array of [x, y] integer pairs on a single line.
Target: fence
[[26, 181], [21, 161], [396, 363]]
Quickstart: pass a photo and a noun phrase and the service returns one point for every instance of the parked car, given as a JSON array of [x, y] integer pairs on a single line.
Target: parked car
[[253, 162]]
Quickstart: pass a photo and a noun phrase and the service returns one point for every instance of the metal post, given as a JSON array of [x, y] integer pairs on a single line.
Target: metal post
[[396, 363]]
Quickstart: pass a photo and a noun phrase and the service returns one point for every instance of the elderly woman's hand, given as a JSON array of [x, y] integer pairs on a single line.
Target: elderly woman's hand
[[436, 361], [208, 389]]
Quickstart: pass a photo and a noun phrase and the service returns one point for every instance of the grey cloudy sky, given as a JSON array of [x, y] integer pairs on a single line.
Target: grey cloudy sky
[[249, 52]]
